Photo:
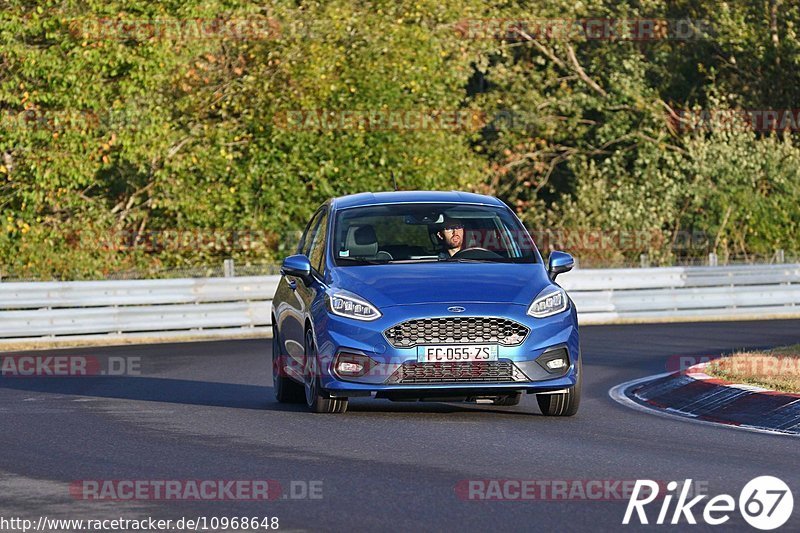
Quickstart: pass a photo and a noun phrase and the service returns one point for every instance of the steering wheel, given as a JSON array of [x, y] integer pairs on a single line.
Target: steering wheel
[[476, 252]]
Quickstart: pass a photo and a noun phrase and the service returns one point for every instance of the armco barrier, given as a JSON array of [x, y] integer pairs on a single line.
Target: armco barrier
[[684, 293], [177, 308], [161, 309]]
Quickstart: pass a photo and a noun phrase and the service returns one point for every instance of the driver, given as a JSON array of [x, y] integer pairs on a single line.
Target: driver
[[451, 237]]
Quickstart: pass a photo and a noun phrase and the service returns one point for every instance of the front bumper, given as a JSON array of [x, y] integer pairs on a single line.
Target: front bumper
[[336, 335]]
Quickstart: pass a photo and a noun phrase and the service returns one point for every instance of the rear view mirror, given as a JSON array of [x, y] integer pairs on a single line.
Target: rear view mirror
[[558, 263], [424, 220], [297, 266]]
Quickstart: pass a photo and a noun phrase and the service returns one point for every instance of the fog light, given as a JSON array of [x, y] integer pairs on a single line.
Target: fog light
[[554, 360], [353, 365], [350, 368]]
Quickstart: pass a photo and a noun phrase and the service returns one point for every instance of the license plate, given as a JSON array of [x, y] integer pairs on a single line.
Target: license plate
[[445, 353]]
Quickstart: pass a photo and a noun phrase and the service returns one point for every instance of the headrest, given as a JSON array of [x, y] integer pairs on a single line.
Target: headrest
[[361, 241]]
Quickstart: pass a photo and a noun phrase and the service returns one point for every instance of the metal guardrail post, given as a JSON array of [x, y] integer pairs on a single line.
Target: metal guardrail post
[[780, 257], [644, 261], [712, 259], [228, 268]]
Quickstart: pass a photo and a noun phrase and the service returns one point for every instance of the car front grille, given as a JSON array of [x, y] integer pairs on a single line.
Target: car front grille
[[457, 372], [456, 330]]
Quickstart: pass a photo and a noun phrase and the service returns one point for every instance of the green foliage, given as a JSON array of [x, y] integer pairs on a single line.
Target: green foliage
[[108, 133], [607, 150]]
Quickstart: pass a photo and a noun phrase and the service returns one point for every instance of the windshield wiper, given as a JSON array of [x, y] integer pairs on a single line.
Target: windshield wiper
[[470, 260], [421, 260], [363, 260]]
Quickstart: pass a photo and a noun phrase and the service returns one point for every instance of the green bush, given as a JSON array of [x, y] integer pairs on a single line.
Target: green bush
[[116, 140]]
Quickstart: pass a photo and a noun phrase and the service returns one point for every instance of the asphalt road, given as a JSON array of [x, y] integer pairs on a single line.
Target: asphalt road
[[202, 411]]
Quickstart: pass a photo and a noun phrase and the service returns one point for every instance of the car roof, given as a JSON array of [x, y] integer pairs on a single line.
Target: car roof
[[400, 197]]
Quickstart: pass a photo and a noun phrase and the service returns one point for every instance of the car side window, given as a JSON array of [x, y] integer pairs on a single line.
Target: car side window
[[308, 237], [317, 251]]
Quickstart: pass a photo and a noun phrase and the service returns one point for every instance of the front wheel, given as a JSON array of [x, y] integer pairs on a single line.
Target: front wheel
[[316, 399], [563, 403]]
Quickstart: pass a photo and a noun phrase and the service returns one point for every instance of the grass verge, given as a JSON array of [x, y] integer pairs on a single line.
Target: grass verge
[[777, 369]]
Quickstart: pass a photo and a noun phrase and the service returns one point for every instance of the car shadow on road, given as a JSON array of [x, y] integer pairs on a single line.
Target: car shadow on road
[[213, 394], [166, 390], [389, 407]]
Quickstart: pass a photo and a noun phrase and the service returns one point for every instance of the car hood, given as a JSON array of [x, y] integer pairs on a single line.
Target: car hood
[[421, 283]]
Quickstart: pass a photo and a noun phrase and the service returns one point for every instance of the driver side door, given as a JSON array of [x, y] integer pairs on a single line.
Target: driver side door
[[293, 298]]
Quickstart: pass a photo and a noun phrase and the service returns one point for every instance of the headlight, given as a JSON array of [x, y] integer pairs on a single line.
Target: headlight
[[349, 305], [549, 302]]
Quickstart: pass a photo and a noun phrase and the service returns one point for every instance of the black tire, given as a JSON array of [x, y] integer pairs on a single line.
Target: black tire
[[316, 398], [509, 400], [564, 403], [286, 389]]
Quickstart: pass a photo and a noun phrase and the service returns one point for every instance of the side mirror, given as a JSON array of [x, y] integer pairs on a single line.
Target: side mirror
[[297, 266], [558, 263]]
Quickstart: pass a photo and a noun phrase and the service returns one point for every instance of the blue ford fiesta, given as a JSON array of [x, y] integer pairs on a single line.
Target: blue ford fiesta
[[438, 296]]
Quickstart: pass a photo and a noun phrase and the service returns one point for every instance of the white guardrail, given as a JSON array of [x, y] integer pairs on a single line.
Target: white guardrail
[[160, 309], [684, 293], [241, 306]]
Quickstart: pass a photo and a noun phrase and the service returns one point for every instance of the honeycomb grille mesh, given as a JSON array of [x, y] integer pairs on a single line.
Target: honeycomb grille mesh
[[461, 372], [456, 330]]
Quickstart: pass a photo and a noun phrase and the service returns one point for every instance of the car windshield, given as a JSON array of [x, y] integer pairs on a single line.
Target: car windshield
[[415, 233]]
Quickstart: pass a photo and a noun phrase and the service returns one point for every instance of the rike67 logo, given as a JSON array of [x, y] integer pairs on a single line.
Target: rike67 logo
[[765, 503]]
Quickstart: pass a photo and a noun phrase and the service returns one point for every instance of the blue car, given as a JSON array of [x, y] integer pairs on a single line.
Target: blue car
[[423, 296]]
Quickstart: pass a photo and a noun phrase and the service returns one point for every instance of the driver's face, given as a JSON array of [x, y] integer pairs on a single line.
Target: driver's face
[[453, 235]]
